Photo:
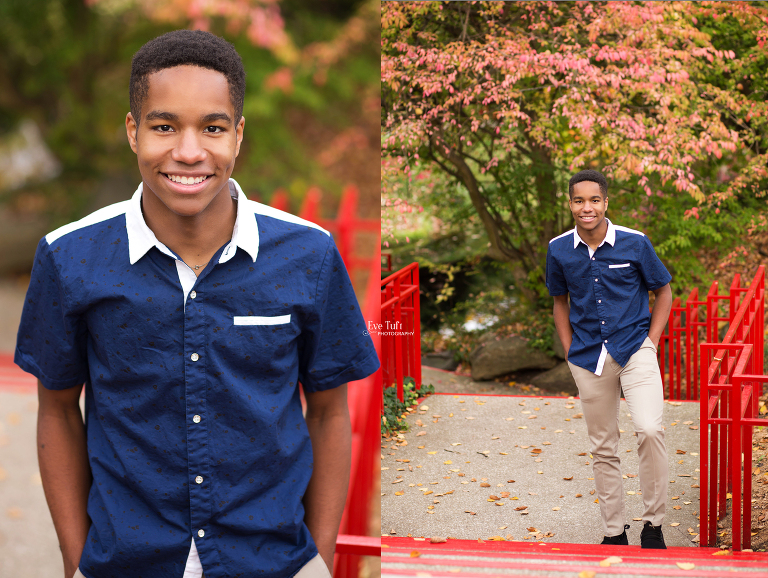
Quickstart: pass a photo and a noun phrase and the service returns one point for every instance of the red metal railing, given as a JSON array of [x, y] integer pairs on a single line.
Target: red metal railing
[[400, 328], [731, 376], [364, 407]]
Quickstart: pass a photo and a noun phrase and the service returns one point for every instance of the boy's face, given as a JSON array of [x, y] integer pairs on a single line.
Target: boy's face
[[187, 138], [588, 205]]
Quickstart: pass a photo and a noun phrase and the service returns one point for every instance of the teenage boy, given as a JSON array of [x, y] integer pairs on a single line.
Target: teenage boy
[[191, 314], [611, 341]]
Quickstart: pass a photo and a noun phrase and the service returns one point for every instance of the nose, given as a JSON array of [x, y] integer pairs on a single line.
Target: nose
[[189, 149]]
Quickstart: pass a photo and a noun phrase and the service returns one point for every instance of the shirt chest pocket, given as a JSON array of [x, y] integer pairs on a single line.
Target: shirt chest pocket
[[620, 273], [262, 320]]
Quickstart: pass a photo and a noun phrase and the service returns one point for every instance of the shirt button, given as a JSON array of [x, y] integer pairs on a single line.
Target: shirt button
[[595, 280], [199, 480], [603, 322], [194, 357], [193, 294], [606, 341], [201, 533], [593, 258], [599, 300], [196, 419]]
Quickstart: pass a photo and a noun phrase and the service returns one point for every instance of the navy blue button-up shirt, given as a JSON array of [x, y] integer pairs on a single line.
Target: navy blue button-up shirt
[[608, 291], [196, 438]]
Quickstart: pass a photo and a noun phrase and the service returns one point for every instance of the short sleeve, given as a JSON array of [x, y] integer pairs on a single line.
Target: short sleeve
[[335, 345], [653, 271], [52, 339], [554, 278]]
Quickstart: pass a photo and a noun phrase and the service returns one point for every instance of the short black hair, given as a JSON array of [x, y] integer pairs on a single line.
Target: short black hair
[[588, 175], [180, 47]]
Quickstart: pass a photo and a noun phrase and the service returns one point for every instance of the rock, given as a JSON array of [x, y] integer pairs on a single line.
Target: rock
[[494, 358], [557, 347], [440, 360], [557, 379]]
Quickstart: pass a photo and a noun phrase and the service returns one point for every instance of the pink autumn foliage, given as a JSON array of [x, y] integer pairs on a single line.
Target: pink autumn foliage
[[613, 80]]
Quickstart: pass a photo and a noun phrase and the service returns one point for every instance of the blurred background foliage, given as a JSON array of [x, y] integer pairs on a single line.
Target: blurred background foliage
[[311, 108]]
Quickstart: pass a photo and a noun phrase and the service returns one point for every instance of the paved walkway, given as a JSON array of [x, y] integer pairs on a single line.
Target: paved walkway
[[518, 468]]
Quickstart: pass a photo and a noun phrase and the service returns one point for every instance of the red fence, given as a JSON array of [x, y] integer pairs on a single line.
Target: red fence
[[732, 373], [364, 405], [400, 328], [364, 395]]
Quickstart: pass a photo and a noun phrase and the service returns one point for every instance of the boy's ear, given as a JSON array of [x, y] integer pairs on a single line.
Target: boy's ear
[[130, 128], [239, 134]]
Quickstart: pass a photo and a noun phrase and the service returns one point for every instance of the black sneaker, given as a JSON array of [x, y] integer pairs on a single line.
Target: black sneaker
[[651, 537], [620, 540]]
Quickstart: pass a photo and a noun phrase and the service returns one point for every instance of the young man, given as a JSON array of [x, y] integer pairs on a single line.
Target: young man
[[611, 340], [191, 314]]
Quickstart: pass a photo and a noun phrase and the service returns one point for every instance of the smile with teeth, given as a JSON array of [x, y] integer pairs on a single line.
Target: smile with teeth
[[186, 180]]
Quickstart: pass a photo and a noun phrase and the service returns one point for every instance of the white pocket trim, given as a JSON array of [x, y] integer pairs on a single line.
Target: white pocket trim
[[256, 320], [619, 266]]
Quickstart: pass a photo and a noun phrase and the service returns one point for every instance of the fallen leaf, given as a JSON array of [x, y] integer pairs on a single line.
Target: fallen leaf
[[686, 565], [415, 554], [587, 574], [502, 527], [568, 479], [499, 503], [721, 553], [495, 539], [399, 493], [578, 495], [421, 433], [438, 540], [510, 481], [675, 524], [397, 481], [556, 508], [520, 508], [536, 451], [532, 529], [447, 462], [468, 512], [485, 485], [432, 453], [494, 498], [504, 494], [15, 513], [681, 451], [677, 507]]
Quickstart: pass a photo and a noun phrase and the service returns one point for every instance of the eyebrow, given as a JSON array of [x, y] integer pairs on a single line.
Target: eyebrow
[[212, 117]]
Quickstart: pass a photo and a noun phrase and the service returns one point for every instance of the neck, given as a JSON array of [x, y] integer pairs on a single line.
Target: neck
[[595, 236], [195, 238]]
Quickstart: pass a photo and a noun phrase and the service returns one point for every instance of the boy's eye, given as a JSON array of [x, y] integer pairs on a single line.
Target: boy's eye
[[164, 128], [214, 129]]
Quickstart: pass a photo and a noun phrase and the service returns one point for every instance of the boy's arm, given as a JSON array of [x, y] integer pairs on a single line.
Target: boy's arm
[[561, 312], [660, 314], [64, 469], [331, 434]]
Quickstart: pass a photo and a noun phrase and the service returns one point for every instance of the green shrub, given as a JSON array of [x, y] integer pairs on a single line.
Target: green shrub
[[392, 421]]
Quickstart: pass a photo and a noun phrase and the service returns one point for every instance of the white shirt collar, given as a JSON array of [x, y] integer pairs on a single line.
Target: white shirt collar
[[610, 236], [141, 238]]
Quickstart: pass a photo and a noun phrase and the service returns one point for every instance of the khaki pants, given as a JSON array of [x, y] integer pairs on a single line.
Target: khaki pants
[[640, 380], [315, 568]]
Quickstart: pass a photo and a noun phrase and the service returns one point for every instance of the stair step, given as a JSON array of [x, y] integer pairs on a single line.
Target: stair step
[[484, 559]]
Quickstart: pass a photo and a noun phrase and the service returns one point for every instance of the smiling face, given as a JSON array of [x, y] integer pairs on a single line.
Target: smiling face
[[186, 141], [588, 207]]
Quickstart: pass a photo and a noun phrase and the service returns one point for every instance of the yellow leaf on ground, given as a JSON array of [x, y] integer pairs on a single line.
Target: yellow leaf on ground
[[675, 524], [447, 462], [686, 565], [399, 493], [415, 554], [587, 574]]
